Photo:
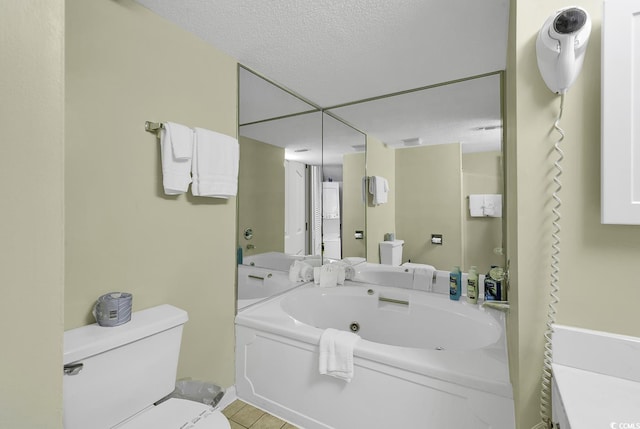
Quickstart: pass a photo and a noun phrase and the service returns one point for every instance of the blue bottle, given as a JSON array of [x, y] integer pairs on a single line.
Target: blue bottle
[[455, 283]]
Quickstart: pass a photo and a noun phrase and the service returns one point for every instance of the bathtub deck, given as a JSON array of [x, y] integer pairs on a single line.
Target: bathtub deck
[[244, 416]]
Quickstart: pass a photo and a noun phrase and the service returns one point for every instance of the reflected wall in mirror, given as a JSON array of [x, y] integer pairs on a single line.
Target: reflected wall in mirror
[[297, 166], [279, 135], [436, 147], [343, 160]]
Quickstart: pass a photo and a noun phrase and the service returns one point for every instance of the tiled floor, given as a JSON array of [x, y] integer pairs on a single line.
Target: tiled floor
[[244, 416]]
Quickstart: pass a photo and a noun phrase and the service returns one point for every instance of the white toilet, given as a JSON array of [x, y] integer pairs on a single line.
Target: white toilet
[[391, 252], [113, 376]]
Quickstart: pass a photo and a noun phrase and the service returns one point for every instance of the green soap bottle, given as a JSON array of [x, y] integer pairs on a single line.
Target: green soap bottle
[[472, 285]]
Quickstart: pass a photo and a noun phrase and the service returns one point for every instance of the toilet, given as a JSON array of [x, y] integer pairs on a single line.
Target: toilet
[[391, 252], [115, 376]]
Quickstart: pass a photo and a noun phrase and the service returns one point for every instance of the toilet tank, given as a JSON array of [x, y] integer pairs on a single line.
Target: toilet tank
[[120, 370], [391, 252]]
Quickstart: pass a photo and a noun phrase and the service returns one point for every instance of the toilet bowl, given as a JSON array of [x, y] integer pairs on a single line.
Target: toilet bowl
[[117, 377]]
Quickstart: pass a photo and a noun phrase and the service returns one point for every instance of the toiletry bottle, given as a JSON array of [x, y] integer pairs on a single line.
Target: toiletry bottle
[[472, 285], [455, 278], [493, 284], [497, 275]]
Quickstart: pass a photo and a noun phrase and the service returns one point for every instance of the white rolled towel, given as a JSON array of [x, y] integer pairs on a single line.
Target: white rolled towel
[[306, 272], [349, 270], [294, 271]]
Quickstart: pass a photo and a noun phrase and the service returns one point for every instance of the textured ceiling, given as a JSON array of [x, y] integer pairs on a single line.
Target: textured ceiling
[[340, 51], [337, 51]]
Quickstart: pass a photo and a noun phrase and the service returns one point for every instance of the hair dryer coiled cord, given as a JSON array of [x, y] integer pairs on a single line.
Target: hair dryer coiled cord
[[545, 393]]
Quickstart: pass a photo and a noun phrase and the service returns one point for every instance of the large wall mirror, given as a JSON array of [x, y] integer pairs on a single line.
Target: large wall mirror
[[292, 186], [304, 172], [440, 148]]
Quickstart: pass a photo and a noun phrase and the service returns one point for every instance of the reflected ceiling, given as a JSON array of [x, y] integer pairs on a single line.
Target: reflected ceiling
[[335, 52]]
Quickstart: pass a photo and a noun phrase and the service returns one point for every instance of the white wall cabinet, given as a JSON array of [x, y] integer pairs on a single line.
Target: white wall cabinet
[[621, 112]]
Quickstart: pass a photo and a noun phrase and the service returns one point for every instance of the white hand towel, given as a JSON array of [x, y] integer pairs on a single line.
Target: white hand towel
[[364, 190], [422, 275], [441, 284], [349, 270], [336, 353], [476, 205], [493, 205], [328, 276], [379, 188], [176, 149], [215, 164]]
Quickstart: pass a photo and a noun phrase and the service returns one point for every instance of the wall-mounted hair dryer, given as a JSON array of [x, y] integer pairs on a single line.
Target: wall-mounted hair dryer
[[560, 47]]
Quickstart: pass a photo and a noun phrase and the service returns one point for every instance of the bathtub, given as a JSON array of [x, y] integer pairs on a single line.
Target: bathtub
[[423, 361], [256, 284], [272, 260], [282, 261]]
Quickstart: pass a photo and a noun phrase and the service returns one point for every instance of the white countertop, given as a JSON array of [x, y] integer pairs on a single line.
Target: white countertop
[[596, 401]]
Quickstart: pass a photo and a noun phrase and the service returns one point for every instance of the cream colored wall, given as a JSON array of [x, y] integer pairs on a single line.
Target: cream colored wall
[[481, 174], [381, 219], [591, 295], [126, 65], [429, 201], [261, 187], [353, 208], [32, 227]]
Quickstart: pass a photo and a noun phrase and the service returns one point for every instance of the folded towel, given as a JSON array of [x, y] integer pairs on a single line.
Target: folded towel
[[476, 205], [336, 353], [485, 205], [493, 205], [422, 275], [300, 271], [365, 180], [330, 275], [379, 188], [176, 149], [215, 164], [441, 283]]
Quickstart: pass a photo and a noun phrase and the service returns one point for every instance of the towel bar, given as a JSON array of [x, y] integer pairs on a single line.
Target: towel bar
[[253, 276], [153, 127]]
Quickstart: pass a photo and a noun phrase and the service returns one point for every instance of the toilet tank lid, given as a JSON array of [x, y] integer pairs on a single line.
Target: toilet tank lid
[[394, 243], [90, 340]]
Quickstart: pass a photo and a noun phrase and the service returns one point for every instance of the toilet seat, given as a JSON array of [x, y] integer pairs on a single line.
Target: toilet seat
[[177, 413]]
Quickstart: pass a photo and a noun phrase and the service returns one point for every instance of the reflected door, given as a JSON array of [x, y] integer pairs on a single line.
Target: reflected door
[[295, 213]]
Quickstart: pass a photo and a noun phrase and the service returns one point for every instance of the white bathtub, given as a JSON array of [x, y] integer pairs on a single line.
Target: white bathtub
[[282, 261], [272, 260], [256, 284], [431, 363]]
